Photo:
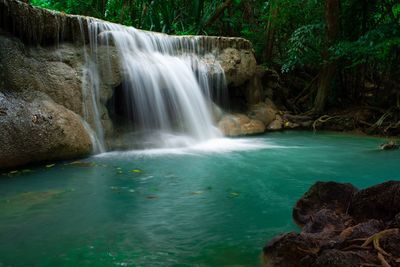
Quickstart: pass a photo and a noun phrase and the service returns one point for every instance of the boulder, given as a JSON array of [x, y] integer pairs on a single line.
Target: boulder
[[330, 195], [338, 258], [276, 124], [34, 128], [341, 226], [239, 124], [262, 112], [327, 223], [284, 250], [378, 202]]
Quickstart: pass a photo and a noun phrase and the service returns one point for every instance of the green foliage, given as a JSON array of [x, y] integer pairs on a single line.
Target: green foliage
[[375, 45], [305, 46]]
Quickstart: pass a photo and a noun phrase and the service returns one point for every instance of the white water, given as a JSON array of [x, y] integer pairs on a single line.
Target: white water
[[213, 146], [167, 88]]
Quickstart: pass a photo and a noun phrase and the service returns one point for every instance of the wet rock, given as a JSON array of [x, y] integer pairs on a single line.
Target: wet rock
[[395, 223], [323, 195], [377, 202], [334, 234], [37, 129], [362, 230], [239, 124], [263, 113], [326, 223], [288, 250], [291, 125], [276, 125], [390, 145], [337, 258], [391, 244]]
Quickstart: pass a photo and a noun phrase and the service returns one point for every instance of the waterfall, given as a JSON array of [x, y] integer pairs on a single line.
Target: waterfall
[[167, 89]]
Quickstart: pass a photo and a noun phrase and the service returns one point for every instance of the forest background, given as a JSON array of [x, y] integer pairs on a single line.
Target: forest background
[[330, 54]]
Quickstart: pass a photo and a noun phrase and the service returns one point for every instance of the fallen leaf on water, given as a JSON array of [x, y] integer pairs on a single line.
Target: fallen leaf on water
[[50, 165], [72, 163], [13, 172], [82, 164], [197, 192], [136, 171], [234, 194]]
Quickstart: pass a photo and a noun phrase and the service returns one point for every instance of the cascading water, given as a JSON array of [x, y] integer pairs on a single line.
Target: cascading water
[[166, 89]]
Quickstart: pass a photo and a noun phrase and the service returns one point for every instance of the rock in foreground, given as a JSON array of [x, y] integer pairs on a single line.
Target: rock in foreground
[[342, 226]]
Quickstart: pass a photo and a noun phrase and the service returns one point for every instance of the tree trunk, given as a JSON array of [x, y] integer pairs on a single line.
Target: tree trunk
[[328, 71], [218, 13], [270, 36]]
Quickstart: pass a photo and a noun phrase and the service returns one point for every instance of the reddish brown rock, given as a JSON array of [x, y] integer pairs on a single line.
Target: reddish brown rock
[[328, 195]]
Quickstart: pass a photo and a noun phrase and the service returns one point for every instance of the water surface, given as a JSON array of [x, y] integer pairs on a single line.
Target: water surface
[[212, 205]]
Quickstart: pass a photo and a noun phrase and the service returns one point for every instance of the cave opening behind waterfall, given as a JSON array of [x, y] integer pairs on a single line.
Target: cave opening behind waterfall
[[154, 108], [131, 112]]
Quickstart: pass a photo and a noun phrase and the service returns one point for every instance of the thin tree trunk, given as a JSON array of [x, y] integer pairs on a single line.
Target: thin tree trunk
[[270, 36], [218, 13], [328, 71]]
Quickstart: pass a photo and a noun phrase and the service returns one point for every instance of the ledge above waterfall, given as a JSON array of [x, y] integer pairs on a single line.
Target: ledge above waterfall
[[35, 25]]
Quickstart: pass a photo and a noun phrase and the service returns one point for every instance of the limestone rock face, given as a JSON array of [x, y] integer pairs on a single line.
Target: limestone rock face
[[239, 124], [239, 65], [56, 72], [34, 128]]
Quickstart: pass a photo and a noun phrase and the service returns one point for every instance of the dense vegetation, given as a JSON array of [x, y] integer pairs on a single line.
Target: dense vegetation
[[332, 53]]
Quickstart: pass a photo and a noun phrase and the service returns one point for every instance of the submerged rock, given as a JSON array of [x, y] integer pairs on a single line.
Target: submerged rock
[[390, 145], [341, 226]]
